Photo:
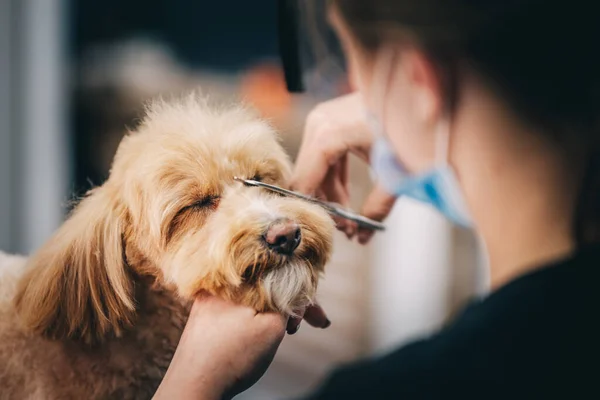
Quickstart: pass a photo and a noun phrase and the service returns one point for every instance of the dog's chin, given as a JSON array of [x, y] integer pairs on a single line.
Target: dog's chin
[[290, 288]]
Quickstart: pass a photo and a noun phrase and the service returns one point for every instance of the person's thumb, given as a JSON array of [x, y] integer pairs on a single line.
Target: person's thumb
[[378, 205]]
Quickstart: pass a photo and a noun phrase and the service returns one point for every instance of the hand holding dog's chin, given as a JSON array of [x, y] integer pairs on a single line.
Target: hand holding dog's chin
[[225, 348]]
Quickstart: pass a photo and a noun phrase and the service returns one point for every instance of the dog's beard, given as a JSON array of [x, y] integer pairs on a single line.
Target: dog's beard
[[290, 287]]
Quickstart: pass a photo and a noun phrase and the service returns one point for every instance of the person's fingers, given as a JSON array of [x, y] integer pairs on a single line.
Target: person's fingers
[[293, 325], [325, 193], [349, 228], [319, 150], [294, 321], [340, 224], [316, 317], [378, 205], [320, 194], [336, 190], [332, 130], [343, 170], [309, 173], [333, 187]]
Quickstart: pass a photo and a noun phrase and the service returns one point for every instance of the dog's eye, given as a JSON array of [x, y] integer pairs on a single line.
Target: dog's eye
[[198, 209], [257, 178], [206, 202]]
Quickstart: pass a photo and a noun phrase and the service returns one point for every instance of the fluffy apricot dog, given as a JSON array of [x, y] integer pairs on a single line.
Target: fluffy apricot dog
[[97, 312]]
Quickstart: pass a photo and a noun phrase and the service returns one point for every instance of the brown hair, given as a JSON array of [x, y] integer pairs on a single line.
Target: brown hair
[[538, 55]]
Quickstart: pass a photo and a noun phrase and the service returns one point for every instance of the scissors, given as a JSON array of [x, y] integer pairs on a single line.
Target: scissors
[[332, 208]]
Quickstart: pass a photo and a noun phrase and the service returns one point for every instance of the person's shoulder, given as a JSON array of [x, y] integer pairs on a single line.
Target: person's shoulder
[[422, 369], [526, 335]]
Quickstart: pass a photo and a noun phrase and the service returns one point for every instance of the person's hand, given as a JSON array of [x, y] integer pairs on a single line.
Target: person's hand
[[314, 315], [224, 349], [333, 130]]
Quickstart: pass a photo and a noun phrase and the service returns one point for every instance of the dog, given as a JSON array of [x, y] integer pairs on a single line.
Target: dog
[[98, 311]]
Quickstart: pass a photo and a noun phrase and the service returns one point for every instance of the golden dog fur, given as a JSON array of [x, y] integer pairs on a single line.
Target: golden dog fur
[[97, 312]]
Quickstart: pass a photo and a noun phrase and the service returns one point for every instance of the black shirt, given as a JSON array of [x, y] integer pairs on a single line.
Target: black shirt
[[537, 337]]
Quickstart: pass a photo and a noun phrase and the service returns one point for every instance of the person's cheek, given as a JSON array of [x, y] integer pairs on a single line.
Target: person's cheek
[[412, 141]]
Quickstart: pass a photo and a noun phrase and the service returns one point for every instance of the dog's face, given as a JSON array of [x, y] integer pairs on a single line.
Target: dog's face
[[171, 209], [203, 229]]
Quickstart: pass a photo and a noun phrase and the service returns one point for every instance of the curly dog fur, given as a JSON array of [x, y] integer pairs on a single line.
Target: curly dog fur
[[97, 312]]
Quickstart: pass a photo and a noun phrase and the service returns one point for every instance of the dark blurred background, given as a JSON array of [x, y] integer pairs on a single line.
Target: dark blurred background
[[74, 75], [226, 36]]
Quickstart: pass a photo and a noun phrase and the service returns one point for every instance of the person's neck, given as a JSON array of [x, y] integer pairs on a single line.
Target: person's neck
[[525, 251], [518, 190]]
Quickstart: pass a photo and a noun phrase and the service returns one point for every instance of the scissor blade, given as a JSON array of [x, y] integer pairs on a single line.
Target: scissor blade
[[331, 208], [279, 190]]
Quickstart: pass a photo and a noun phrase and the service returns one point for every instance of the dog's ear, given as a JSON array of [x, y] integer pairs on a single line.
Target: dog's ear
[[77, 285]]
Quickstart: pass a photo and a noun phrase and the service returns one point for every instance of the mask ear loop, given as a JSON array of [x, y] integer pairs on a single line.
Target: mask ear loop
[[442, 142]]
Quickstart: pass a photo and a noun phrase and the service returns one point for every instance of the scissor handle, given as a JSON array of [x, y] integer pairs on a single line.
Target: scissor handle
[[359, 219]]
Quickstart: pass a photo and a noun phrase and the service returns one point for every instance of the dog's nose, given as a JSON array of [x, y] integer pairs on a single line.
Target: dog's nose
[[283, 236]]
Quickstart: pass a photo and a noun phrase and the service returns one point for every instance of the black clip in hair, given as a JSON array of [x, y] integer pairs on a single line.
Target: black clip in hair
[[288, 24]]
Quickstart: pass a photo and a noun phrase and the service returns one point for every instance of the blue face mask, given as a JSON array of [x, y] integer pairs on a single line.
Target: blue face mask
[[437, 187]]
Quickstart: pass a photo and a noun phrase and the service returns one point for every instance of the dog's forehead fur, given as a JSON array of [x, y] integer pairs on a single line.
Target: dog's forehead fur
[[188, 141], [187, 150]]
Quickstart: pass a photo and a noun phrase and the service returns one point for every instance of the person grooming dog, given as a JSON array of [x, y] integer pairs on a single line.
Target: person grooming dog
[[489, 111]]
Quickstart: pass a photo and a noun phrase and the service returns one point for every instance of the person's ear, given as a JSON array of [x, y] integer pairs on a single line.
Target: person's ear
[[423, 85]]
